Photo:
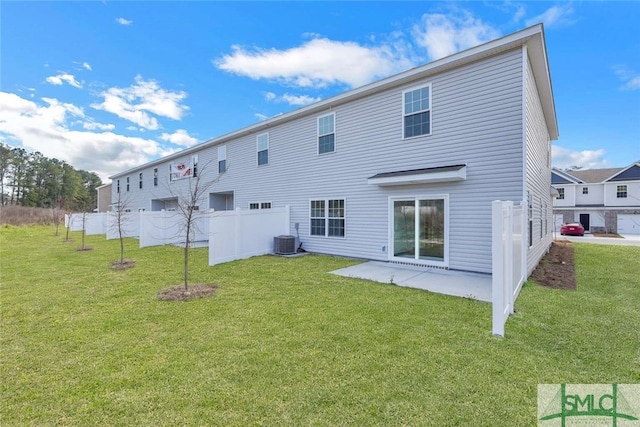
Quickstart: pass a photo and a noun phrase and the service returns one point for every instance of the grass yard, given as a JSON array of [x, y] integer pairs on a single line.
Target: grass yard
[[284, 343]]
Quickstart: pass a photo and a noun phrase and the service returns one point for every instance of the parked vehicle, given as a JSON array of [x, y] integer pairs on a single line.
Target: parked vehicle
[[572, 229]]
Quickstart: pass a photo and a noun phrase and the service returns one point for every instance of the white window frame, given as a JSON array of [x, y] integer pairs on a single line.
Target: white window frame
[[622, 188], [560, 193], [140, 181], [326, 217], [430, 110], [585, 190], [128, 184], [222, 156], [319, 135], [260, 205], [416, 198], [155, 177], [258, 150]]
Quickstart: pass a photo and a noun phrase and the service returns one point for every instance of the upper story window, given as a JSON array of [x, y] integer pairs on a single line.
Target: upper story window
[[262, 143], [222, 158], [140, 180], [621, 191], [416, 112], [327, 218], [155, 177], [326, 134], [585, 190], [560, 193], [118, 186], [127, 183]]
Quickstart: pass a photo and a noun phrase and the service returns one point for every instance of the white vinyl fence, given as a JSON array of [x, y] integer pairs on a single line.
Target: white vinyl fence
[[168, 228], [509, 257], [130, 223], [95, 223], [245, 233]]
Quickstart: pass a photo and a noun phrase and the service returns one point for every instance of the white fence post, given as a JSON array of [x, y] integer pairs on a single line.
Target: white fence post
[[497, 259]]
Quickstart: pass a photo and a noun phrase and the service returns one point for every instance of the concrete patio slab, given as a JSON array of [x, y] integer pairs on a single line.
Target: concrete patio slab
[[460, 284]]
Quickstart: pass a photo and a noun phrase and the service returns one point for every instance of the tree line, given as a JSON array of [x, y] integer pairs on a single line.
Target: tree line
[[31, 179]]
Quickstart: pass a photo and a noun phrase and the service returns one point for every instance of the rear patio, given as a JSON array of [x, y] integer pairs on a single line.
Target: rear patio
[[448, 282]]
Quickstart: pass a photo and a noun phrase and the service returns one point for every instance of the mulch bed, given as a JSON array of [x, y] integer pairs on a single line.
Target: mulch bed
[[127, 263], [557, 269], [86, 248], [178, 293], [607, 235]]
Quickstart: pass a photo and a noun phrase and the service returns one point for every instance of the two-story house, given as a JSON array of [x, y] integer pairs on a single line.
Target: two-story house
[[403, 169], [602, 200]]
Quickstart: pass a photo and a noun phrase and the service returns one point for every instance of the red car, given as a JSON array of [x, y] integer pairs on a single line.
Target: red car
[[573, 229]]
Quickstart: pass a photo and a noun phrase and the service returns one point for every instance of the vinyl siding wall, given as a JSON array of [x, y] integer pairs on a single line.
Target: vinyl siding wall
[[538, 166], [476, 119]]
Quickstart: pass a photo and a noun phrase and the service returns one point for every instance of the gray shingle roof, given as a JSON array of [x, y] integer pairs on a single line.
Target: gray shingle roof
[[594, 175]]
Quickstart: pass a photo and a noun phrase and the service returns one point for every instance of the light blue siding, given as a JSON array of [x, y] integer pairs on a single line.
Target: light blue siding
[[476, 119], [538, 166]]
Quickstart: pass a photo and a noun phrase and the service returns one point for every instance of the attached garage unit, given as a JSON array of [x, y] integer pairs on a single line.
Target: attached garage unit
[[628, 223]]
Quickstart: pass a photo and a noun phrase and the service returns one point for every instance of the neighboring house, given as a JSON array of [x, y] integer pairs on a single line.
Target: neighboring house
[[403, 169], [104, 198], [602, 200]]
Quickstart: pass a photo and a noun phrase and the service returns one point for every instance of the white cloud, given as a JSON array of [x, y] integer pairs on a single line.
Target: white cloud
[[86, 66], [179, 137], [138, 100], [630, 78], [123, 21], [64, 77], [291, 99], [45, 127], [91, 125], [316, 63], [555, 16], [564, 158], [443, 35]]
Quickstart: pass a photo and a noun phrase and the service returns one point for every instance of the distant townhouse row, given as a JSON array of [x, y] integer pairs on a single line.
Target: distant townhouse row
[[602, 200], [402, 170]]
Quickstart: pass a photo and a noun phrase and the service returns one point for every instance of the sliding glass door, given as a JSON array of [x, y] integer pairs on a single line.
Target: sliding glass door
[[419, 229]]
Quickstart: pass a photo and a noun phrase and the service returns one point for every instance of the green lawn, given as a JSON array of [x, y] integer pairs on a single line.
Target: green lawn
[[284, 343]]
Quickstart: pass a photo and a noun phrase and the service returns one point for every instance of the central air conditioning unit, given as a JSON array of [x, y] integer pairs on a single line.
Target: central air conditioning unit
[[284, 245]]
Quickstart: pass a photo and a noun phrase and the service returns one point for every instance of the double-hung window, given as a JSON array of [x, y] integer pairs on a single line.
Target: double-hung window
[[621, 191], [327, 217], [262, 143], [222, 158], [417, 112], [585, 190], [127, 183], [155, 177], [140, 180], [259, 205], [560, 193], [327, 134], [118, 186]]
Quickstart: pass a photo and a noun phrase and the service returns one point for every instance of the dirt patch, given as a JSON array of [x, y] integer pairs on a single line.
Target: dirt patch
[[179, 293], [127, 263], [607, 235], [85, 249], [557, 269]]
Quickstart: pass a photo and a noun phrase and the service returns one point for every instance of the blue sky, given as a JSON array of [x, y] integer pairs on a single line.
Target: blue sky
[[110, 85]]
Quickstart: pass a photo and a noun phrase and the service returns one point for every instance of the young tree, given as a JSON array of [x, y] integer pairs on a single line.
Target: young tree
[[121, 220], [70, 216], [188, 195], [83, 201], [57, 215]]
